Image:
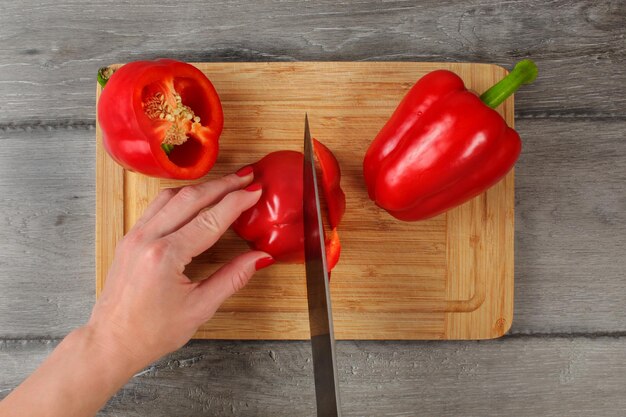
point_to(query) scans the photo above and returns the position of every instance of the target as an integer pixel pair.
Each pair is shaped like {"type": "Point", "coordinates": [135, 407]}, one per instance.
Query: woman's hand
{"type": "Point", "coordinates": [148, 306]}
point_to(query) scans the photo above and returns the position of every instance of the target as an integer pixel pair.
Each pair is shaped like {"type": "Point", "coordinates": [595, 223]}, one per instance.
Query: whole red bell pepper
{"type": "Point", "coordinates": [443, 145]}
{"type": "Point", "coordinates": [161, 118]}
{"type": "Point", "coordinates": [275, 224]}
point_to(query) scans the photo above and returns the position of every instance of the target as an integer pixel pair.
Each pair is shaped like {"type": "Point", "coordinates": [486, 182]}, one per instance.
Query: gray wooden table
{"type": "Point", "coordinates": [566, 351]}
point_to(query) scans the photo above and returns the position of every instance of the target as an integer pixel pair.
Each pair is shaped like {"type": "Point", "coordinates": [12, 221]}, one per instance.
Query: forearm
{"type": "Point", "coordinates": [77, 379]}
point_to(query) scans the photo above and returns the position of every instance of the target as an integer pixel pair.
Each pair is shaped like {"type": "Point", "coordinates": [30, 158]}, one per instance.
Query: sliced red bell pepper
{"type": "Point", "coordinates": [331, 177]}
{"type": "Point", "coordinates": [443, 145]}
{"type": "Point", "coordinates": [161, 118]}
{"type": "Point", "coordinates": [333, 249]}
{"type": "Point", "coordinates": [275, 223]}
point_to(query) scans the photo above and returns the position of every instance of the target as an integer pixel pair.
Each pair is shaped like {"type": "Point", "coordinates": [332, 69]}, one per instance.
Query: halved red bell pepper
{"type": "Point", "coordinates": [443, 145]}
{"type": "Point", "coordinates": [275, 223]}
{"type": "Point", "coordinates": [161, 118]}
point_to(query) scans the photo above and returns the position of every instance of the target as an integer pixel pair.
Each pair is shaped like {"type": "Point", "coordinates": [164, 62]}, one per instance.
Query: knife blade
{"type": "Point", "coordinates": [318, 294]}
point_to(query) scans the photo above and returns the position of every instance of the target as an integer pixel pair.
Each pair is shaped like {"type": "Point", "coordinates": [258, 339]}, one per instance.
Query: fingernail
{"type": "Point", "coordinates": [254, 187]}
{"type": "Point", "coordinates": [264, 262]}
{"type": "Point", "coordinates": [244, 172]}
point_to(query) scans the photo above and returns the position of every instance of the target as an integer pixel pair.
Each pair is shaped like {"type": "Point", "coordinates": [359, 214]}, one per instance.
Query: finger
{"type": "Point", "coordinates": [212, 292]}
{"type": "Point", "coordinates": [209, 225]}
{"type": "Point", "coordinates": [156, 205]}
{"type": "Point", "coordinates": [190, 200]}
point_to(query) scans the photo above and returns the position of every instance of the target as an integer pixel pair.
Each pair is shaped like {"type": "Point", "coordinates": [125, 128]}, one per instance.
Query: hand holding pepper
{"type": "Point", "coordinates": [443, 145]}
{"type": "Point", "coordinates": [148, 306]}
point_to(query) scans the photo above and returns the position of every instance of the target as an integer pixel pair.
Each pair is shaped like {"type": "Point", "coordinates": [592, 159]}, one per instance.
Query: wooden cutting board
{"type": "Point", "coordinates": [450, 277]}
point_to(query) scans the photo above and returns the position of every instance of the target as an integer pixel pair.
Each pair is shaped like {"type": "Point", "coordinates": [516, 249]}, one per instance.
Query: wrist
{"type": "Point", "coordinates": [104, 345]}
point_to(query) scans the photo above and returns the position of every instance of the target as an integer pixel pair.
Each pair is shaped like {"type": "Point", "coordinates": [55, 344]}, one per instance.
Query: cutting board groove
{"type": "Point", "coordinates": [450, 277]}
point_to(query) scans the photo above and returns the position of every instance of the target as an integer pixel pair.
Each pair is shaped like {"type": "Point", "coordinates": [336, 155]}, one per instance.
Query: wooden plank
{"type": "Point", "coordinates": [570, 227]}
{"type": "Point", "coordinates": [570, 221]}
{"type": "Point", "coordinates": [49, 61]}
{"type": "Point", "coordinates": [510, 376]}
{"type": "Point", "coordinates": [47, 209]}
{"type": "Point", "coordinates": [392, 279]}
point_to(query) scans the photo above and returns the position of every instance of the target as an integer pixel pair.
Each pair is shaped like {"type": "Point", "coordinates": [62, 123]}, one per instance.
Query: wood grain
{"type": "Point", "coordinates": [570, 227]}
{"type": "Point", "coordinates": [447, 278]}
{"type": "Point", "coordinates": [47, 227]}
{"type": "Point", "coordinates": [510, 376]}
{"type": "Point", "coordinates": [110, 197]}
{"type": "Point", "coordinates": [49, 60]}
{"type": "Point", "coordinates": [570, 206]}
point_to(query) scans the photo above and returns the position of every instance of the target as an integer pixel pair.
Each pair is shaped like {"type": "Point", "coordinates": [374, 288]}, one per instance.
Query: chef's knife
{"type": "Point", "coordinates": [318, 294]}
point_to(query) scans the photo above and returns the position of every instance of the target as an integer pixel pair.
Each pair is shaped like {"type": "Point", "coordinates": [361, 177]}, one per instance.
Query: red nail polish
{"type": "Point", "coordinates": [254, 187]}
{"type": "Point", "coordinates": [244, 172]}
{"type": "Point", "coordinates": [264, 262]}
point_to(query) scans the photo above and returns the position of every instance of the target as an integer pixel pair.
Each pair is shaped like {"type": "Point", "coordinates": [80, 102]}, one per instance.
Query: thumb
{"type": "Point", "coordinates": [226, 281]}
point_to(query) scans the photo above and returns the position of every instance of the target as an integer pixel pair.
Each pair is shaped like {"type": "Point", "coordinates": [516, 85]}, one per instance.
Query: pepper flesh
{"type": "Point", "coordinates": [161, 118]}
{"type": "Point", "coordinates": [442, 146]}
{"type": "Point", "coordinates": [331, 177]}
{"type": "Point", "coordinates": [275, 224]}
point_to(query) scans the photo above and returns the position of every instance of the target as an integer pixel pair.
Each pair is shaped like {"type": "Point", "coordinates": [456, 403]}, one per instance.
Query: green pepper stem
{"type": "Point", "coordinates": [524, 72]}
{"type": "Point", "coordinates": [104, 74]}
{"type": "Point", "coordinates": [167, 148]}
